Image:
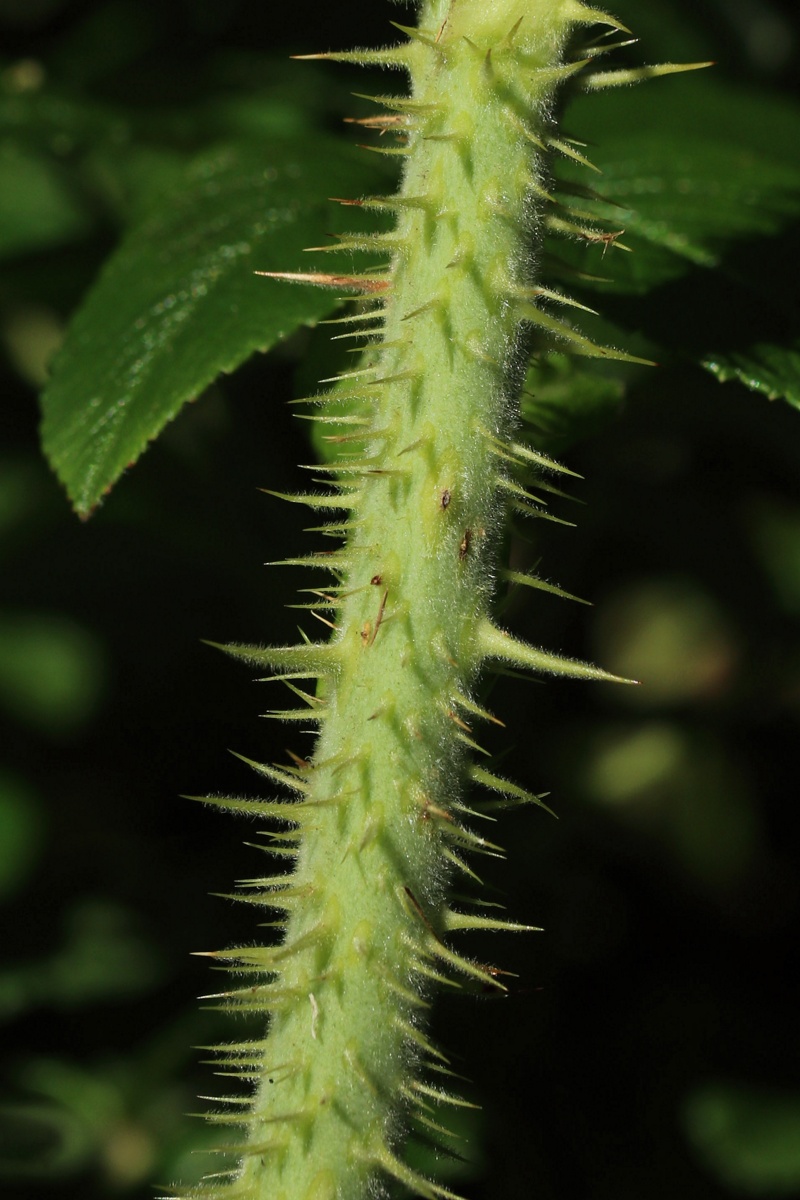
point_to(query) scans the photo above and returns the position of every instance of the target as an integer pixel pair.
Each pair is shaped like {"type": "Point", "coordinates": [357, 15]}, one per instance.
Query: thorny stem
{"type": "Point", "coordinates": [377, 822]}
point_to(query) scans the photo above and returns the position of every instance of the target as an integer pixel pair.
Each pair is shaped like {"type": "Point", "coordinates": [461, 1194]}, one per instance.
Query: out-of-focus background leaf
{"type": "Point", "coordinates": [649, 1045]}
{"type": "Point", "coordinates": [747, 1136]}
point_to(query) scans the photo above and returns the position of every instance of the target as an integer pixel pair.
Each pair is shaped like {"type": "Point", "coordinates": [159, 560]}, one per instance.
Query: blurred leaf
{"type": "Point", "coordinates": [22, 484]}
{"type": "Point", "coordinates": [672, 635]}
{"type": "Point", "coordinates": [103, 957]}
{"type": "Point", "coordinates": [775, 536]}
{"type": "Point", "coordinates": [32, 333]}
{"type": "Point", "coordinates": [19, 832]}
{"type": "Point", "coordinates": [256, 95]}
{"type": "Point", "coordinates": [104, 40]}
{"type": "Point", "coordinates": [772, 371]}
{"type": "Point", "coordinates": [747, 1137]}
{"type": "Point", "coordinates": [565, 400]}
{"type": "Point", "coordinates": [38, 208]}
{"type": "Point", "coordinates": [701, 105]}
{"type": "Point", "coordinates": [78, 154]}
{"type": "Point", "coordinates": [41, 1139]}
{"type": "Point", "coordinates": [704, 166]}
{"type": "Point", "coordinates": [67, 1128]}
{"type": "Point", "coordinates": [467, 1127]}
{"type": "Point", "coordinates": [30, 12]}
{"type": "Point", "coordinates": [659, 29]}
{"type": "Point", "coordinates": [706, 182]}
{"type": "Point", "coordinates": [51, 671]}
{"type": "Point", "coordinates": [123, 1117]}
{"type": "Point", "coordinates": [44, 118]}
{"type": "Point", "coordinates": [628, 763]}
{"type": "Point", "coordinates": [682, 792]}
{"type": "Point", "coordinates": [61, 150]}
{"type": "Point", "coordinates": [178, 303]}
{"type": "Point", "coordinates": [684, 199]}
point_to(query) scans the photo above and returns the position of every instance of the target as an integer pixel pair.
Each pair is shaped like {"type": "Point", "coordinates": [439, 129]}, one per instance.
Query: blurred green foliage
{"type": "Point", "coordinates": [747, 1136]}
{"type": "Point", "coordinates": [650, 1043]}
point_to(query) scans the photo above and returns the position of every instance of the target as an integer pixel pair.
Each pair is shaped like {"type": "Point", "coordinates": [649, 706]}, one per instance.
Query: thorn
{"type": "Point", "coordinates": [392, 151]}
{"type": "Point", "coordinates": [368, 284]}
{"type": "Point", "coordinates": [495, 643]}
{"type": "Point", "coordinates": [509, 37]}
{"type": "Point", "coordinates": [324, 620]}
{"type": "Point", "coordinates": [594, 16]}
{"type": "Point", "coordinates": [403, 104]}
{"type": "Point", "coordinates": [555, 296]}
{"type": "Point", "coordinates": [457, 720]}
{"type": "Point", "coordinates": [384, 122]}
{"type": "Point", "coordinates": [623, 78]}
{"type": "Point", "coordinates": [391, 56]}
{"type": "Point", "coordinates": [521, 578]}
{"type": "Point", "coordinates": [417, 312]}
{"type": "Point", "coordinates": [416, 35]}
{"type": "Point", "coordinates": [569, 152]}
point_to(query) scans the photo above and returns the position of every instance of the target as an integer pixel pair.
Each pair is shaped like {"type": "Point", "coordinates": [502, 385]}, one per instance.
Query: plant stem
{"type": "Point", "coordinates": [378, 823]}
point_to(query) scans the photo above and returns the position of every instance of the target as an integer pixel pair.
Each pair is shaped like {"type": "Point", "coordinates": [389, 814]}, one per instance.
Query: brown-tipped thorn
{"type": "Point", "coordinates": [356, 283]}
{"type": "Point", "coordinates": [389, 121]}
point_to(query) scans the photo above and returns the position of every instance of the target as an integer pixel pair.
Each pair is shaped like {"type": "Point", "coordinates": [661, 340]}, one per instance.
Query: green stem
{"type": "Point", "coordinates": [378, 820]}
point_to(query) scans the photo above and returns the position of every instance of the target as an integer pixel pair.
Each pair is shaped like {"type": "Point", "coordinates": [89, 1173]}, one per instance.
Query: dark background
{"type": "Point", "coordinates": [650, 1044]}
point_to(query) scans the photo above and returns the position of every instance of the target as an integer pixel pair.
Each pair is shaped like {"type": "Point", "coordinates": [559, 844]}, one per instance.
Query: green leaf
{"type": "Point", "coordinates": [698, 104]}
{"type": "Point", "coordinates": [684, 201]}
{"type": "Point", "coordinates": [772, 371]}
{"type": "Point", "coordinates": [178, 302]}
{"type": "Point", "coordinates": [706, 167]}
{"type": "Point", "coordinates": [114, 156]}
{"type": "Point", "coordinates": [50, 141]}
{"type": "Point", "coordinates": [707, 191]}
